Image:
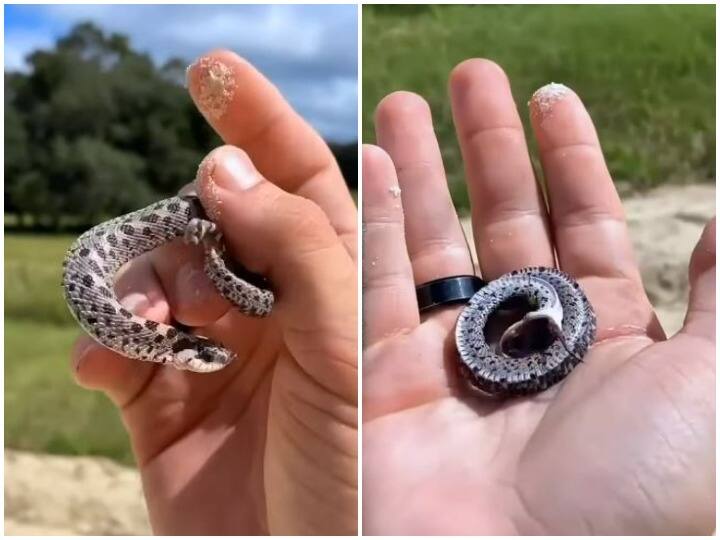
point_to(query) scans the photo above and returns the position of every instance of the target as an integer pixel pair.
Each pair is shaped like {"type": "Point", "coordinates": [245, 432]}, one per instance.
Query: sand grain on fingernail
{"type": "Point", "coordinates": [394, 191]}
{"type": "Point", "coordinates": [545, 98]}
{"type": "Point", "coordinates": [205, 170]}
{"type": "Point", "coordinates": [207, 188]}
{"type": "Point", "coordinates": [216, 87]}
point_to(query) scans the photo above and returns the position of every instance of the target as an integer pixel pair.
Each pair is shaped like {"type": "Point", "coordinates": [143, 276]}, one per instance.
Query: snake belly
{"type": "Point", "coordinates": [496, 373]}
{"type": "Point", "coordinates": [96, 256]}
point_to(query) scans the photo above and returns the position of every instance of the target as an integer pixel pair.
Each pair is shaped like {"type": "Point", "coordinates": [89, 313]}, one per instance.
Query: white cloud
{"type": "Point", "coordinates": [19, 43]}
{"type": "Point", "coordinates": [333, 104]}
{"type": "Point", "coordinates": [168, 30]}
{"type": "Point", "coordinates": [310, 52]}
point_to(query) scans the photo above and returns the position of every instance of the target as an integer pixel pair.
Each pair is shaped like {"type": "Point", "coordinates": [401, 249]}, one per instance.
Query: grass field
{"type": "Point", "coordinates": [45, 410]}
{"type": "Point", "coordinates": [645, 72]}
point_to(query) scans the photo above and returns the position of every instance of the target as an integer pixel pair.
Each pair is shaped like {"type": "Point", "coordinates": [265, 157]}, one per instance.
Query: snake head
{"type": "Point", "coordinates": [195, 353]}
{"type": "Point", "coordinates": [535, 332]}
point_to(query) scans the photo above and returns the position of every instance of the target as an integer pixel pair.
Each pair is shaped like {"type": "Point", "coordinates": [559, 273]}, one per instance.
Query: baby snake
{"type": "Point", "coordinates": [555, 326]}
{"type": "Point", "coordinates": [95, 257]}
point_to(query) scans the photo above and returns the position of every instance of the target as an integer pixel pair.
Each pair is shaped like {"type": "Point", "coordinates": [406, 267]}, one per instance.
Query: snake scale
{"type": "Point", "coordinates": [96, 256]}
{"type": "Point", "coordinates": [549, 325]}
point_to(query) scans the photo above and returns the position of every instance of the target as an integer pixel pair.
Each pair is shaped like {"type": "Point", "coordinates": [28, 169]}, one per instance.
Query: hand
{"type": "Point", "coordinates": [268, 444]}
{"type": "Point", "coordinates": [625, 445]}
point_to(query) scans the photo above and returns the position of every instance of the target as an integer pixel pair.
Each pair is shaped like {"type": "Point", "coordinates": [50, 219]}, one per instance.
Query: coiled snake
{"type": "Point", "coordinates": [555, 326]}
{"type": "Point", "coordinates": [95, 257]}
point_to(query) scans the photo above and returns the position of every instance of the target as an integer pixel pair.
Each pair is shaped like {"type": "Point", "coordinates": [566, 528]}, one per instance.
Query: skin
{"type": "Point", "coordinates": [625, 445]}
{"type": "Point", "coordinates": [267, 445]}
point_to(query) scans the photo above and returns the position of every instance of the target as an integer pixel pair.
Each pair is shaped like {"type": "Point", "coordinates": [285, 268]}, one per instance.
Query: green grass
{"type": "Point", "coordinates": [45, 411]}
{"type": "Point", "coordinates": [32, 278]}
{"type": "Point", "coordinates": [646, 74]}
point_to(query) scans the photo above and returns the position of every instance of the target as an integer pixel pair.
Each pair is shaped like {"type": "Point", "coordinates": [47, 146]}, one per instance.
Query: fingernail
{"type": "Point", "coordinates": [544, 99]}
{"type": "Point", "coordinates": [135, 302]}
{"type": "Point", "coordinates": [215, 86]}
{"type": "Point", "coordinates": [207, 188]}
{"type": "Point", "coordinates": [206, 169]}
{"type": "Point", "coordinates": [235, 171]}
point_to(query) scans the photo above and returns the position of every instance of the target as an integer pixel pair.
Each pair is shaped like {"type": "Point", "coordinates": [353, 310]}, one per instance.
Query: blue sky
{"type": "Point", "coordinates": [310, 52]}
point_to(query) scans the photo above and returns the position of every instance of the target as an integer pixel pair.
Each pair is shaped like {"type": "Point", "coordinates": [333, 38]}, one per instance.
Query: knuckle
{"type": "Point", "coordinates": [302, 223]}
{"type": "Point", "coordinates": [306, 217]}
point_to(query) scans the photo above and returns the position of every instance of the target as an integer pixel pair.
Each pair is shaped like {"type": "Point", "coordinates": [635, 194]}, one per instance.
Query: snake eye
{"type": "Point", "coordinates": [210, 353]}
{"type": "Point", "coordinates": [182, 345]}
{"type": "Point", "coordinates": [207, 354]}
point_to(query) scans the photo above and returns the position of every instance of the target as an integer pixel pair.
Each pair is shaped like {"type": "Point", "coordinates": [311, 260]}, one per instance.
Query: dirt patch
{"type": "Point", "coordinates": [55, 495]}
{"type": "Point", "coordinates": [665, 225]}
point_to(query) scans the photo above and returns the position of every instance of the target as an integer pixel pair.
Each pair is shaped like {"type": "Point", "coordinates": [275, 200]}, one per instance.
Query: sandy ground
{"type": "Point", "coordinates": [78, 496]}
{"type": "Point", "coordinates": [54, 495]}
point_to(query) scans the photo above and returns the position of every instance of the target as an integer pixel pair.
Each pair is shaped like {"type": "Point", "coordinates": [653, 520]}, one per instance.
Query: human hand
{"type": "Point", "coordinates": [625, 445]}
{"type": "Point", "coordinates": [268, 444]}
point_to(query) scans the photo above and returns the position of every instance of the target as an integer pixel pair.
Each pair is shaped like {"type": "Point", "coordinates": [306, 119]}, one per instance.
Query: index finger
{"type": "Point", "coordinates": [249, 112]}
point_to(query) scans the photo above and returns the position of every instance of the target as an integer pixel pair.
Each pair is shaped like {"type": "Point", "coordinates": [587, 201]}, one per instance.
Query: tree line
{"type": "Point", "coordinates": [95, 129]}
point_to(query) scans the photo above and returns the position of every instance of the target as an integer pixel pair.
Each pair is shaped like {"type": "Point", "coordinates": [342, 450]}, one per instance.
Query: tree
{"type": "Point", "coordinates": [16, 151]}
{"type": "Point", "coordinates": [96, 129]}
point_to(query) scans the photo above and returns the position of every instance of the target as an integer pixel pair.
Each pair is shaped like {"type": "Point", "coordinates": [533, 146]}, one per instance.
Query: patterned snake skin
{"type": "Point", "coordinates": [95, 257]}
{"type": "Point", "coordinates": [537, 350]}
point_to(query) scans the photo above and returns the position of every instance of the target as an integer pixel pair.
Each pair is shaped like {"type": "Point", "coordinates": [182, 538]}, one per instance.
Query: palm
{"type": "Point", "coordinates": [624, 444]}
{"type": "Point", "coordinates": [495, 469]}
{"type": "Point", "coordinates": [196, 438]}
{"type": "Point", "coordinates": [229, 409]}
{"type": "Point", "coordinates": [516, 467]}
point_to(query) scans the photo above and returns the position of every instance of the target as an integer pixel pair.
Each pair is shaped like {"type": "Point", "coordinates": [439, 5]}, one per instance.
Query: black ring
{"type": "Point", "coordinates": [449, 290]}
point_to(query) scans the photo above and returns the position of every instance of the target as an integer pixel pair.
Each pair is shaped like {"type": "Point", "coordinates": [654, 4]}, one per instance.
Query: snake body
{"type": "Point", "coordinates": [96, 256]}
{"type": "Point", "coordinates": [538, 349]}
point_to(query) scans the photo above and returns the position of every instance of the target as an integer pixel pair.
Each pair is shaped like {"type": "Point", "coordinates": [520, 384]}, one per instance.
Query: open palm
{"type": "Point", "coordinates": [268, 444]}
{"type": "Point", "coordinates": [626, 443]}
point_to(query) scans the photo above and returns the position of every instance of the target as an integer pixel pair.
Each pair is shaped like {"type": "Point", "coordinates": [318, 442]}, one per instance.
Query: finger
{"type": "Point", "coordinates": [193, 299]}
{"type": "Point", "coordinates": [248, 111]}
{"type": "Point", "coordinates": [435, 240]}
{"type": "Point", "coordinates": [389, 302]}
{"type": "Point", "coordinates": [588, 220]}
{"type": "Point", "coordinates": [700, 318]}
{"type": "Point", "coordinates": [98, 368]}
{"type": "Point", "coordinates": [510, 223]}
{"type": "Point", "coordinates": [290, 240]}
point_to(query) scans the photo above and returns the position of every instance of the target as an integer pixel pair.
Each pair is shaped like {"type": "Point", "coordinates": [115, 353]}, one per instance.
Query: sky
{"type": "Point", "coordinates": [309, 52]}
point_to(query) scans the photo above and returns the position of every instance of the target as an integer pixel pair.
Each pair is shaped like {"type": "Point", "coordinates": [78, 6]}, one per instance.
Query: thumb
{"type": "Point", "coordinates": [289, 240]}
{"type": "Point", "coordinates": [700, 318]}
